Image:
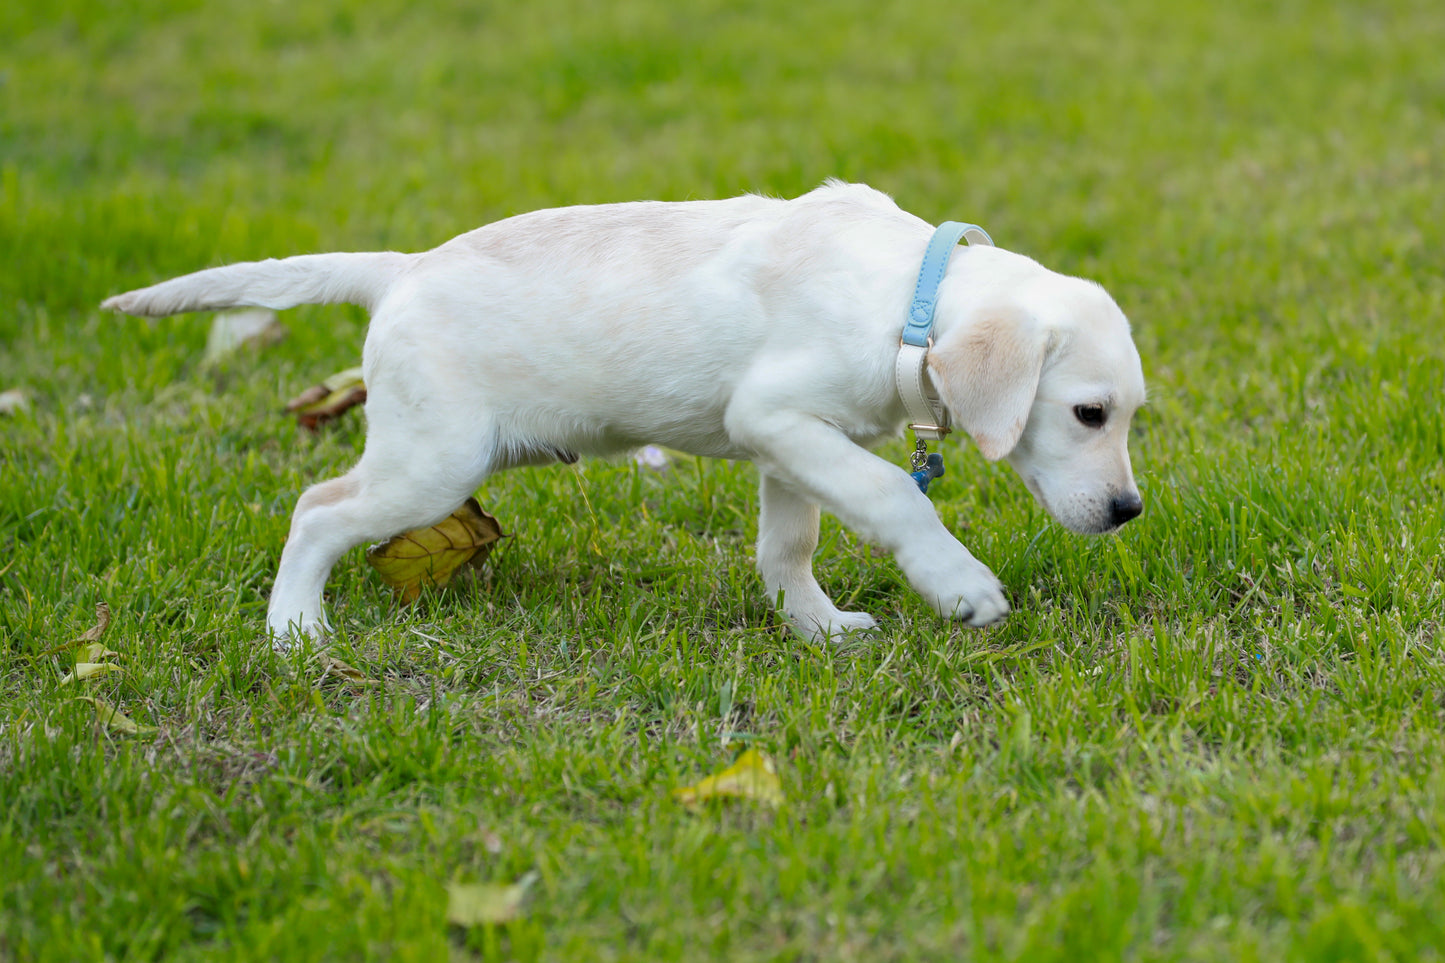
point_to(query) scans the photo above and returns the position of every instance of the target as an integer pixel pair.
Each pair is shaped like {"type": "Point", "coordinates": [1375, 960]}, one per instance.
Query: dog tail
{"type": "Point", "coordinates": [277, 284]}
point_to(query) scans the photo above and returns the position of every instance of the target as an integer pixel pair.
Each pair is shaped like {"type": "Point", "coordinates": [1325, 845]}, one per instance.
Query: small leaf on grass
{"type": "Point", "coordinates": [239, 329]}
{"type": "Point", "coordinates": [87, 648]}
{"type": "Point", "coordinates": [84, 670]}
{"type": "Point", "coordinates": [336, 669]}
{"type": "Point", "coordinates": [321, 403]}
{"type": "Point", "coordinates": [753, 776]}
{"type": "Point", "coordinates": [102, 622]}
{"type": "Point", "coordinates": [473, 904]}
{"type": "Point", "coordinates": [112, 718]}
{"type": "Point", "coordinates": [430, 556]}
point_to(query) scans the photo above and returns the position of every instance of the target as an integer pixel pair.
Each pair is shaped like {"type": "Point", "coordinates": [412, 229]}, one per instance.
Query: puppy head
{"type": "Point", "coordinates": [1050, 380]}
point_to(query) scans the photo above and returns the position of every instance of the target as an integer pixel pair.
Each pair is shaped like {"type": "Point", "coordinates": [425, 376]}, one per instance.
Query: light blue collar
{"type": "Point", "coordinates": [935, 262]}
{"type": "Point", "coordinates": [927, 416]}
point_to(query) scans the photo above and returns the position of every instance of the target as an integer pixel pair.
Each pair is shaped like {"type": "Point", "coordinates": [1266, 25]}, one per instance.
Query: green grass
{"type": "Point", "coordinates": [1216, 736]}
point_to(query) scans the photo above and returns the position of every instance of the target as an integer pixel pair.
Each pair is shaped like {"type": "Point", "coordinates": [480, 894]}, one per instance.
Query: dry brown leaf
{"type": "Point", "coordinates": [336, 669]}
{"type": "Point", "coordinates": [102, 622]}
{"type": "Point", "coordinates": [431, 556]}
{"type": "Point", "coordinates": [753, 776]}
{"type": "Point", "coordinates": [324, 402]}
{"type": "Point", "coordinates": [87, 648]}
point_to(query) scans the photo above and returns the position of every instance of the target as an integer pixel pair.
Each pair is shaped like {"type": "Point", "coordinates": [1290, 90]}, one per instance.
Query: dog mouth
{"type": "Point", "coordinates": [1097, 522]}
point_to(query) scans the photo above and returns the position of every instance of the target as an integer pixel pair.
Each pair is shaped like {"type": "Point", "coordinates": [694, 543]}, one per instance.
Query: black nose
{"type": "Point", "coordinates": [1125, 507]}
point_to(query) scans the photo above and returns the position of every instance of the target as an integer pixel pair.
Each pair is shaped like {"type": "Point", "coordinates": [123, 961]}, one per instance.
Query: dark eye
{"type": "Point", "coordinates": [1091, 415]}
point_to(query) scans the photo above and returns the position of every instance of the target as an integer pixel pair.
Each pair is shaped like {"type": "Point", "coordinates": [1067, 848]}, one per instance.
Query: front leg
{"type": "Point", "coordinates": [787, 539]}
{"type": "Point", "coordinates": [873, 498]}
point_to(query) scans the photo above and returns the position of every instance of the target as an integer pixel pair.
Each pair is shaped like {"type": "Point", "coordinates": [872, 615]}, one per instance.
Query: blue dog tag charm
{"type": "Point", "coordinates": [931, 468]}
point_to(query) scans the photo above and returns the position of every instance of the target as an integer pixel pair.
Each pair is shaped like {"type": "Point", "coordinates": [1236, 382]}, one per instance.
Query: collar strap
{"type": "Point", "coordinates": [928, 417]}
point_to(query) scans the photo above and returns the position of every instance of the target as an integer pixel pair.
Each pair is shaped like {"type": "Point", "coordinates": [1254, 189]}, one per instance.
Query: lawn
{"type": "Point", "coordinates": [1218, 735]}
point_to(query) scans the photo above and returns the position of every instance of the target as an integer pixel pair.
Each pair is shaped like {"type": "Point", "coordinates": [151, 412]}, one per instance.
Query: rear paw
{"type": "Point", "coordinates": [291, 636]}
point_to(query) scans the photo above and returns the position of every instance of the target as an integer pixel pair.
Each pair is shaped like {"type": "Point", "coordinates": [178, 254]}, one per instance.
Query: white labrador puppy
{"type": "Point", "coordinates": [748, 328]}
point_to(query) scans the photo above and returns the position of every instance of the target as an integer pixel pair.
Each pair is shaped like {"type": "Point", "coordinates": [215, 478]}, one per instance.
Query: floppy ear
{"type": "Point", "coordinates": [987, 373]}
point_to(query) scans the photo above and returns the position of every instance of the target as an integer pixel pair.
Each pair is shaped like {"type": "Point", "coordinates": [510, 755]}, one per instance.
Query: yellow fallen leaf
{"type": "Point", "coordinates": [321, 403]}
{"type": "Point", "coordinates": [753, 776]}
{"type": "Point", "coordinates": [112, 718]}
{"type": "Point", "coordinates": [94, 652]}
{"type": "Point", "coordinates": [84, 670]}
{"type": "Point", "coordinates": [431, 556]}
{"type": "Point", "coordinates": [473, 904]}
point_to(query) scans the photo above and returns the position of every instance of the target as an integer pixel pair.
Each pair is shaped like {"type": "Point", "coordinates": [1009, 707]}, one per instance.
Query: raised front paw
{"type": "Point", "coordinates": [981, 608]}
{"type": "Point", "coordinates": [971, 594]}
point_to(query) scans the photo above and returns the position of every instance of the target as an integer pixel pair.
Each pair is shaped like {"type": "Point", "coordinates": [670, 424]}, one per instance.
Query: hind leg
{"type": "Point", "coordinates": [406, 479]}
{"type": "Point", "coordinates": [787, 539]}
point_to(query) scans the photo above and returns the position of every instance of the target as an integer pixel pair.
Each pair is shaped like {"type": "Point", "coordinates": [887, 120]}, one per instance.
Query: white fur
{"type": "Point", "coordinates": [746, 328]}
